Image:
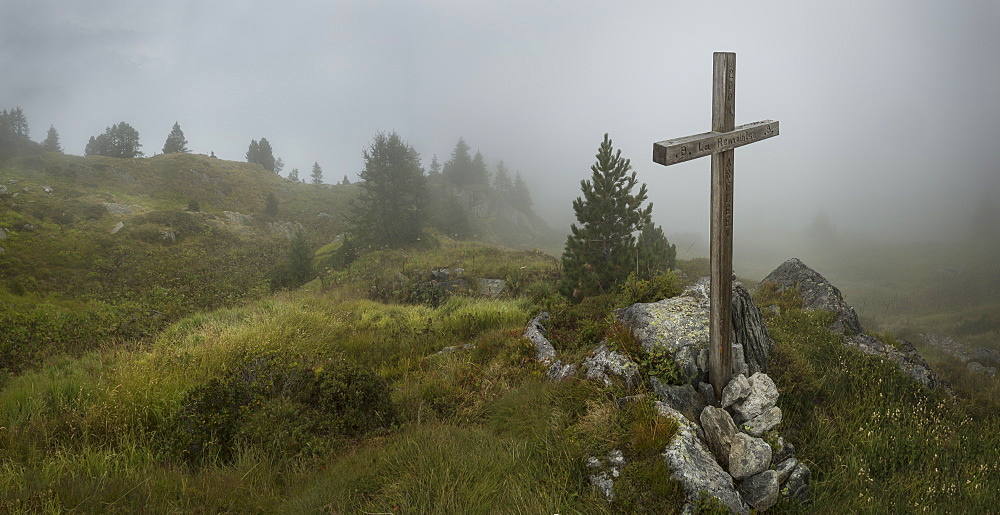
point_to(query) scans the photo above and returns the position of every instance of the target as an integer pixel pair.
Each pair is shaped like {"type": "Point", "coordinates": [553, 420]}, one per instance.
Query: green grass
{"type": "Point", "coordinates": [876, 441]}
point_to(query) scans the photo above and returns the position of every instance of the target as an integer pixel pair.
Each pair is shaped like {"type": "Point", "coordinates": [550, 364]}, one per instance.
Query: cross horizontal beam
{"type": "Point", "coordinates": [687, 148]}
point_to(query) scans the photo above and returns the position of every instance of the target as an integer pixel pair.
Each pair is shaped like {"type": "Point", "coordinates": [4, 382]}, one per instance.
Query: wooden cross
{"type": "Point", "coordinates": [725, 136]}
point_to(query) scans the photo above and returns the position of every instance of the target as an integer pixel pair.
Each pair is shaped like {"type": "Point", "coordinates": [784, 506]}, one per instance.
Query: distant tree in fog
{"type": "Point", "coordinates": [317, 174]}
{"type": "Point", "coordinates": [261, 153]}
{"type": "Point", "coordinates": [391, 207]}
{"type": "Point", "coordinates": [294, 174]}
{"type": "Point", "coordinates": [120, 140]}
{"type": "Point", "coordinates": [175, 141]}
{"type": "Point", "coordinates": [51, 143]}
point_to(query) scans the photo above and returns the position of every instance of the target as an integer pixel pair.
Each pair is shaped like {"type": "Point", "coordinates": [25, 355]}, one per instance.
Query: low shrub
{"type": "Point", "coordinates": [278, 404]}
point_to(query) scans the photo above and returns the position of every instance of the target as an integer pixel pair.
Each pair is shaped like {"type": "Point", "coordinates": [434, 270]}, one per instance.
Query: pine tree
{"type": "Point", "coordinates": [599, 252]}
{"type": "Point", "coordinates": [294, 174]}
{"type": "Point", "coordinates": [317, 174]}
{"type": "Point", "coordinates": [51, 143]}
{"type": "Point", "coordinates": [391, 207]}
{"type": "Point", "coordinates": [271, 205]}
{"type": "Point", "coordinates": [279, 165]}
{"type": "Point", "coordinates": [175, 144]}
{"type": "Point", "coordinates": [346, 181]}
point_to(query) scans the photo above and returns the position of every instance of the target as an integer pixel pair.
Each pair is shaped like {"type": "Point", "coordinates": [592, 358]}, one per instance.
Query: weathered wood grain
{"type": "Point", "coordinates": [673, 151]}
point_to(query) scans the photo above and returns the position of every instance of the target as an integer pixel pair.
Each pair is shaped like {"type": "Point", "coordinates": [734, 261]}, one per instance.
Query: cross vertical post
{"type": "Point", "coordinates": [721, 247]}
{"type": "Point", "coordinates": [719, 143]}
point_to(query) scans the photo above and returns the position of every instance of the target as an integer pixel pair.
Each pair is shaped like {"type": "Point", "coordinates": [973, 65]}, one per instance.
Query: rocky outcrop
{"type": "Point", "coordinates": [818, 293]}
{"type": "Point", "coordinates": [680, 326]}
{"type": "Point", "coordinates": [603, 364]}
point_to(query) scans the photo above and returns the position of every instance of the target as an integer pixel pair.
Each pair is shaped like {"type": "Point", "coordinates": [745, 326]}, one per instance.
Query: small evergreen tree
{"type": "Point", "coordinates": [655, 254]}
{"type": "Point", "coordinates": [271, 205]}
{"type": "Point", "coordinates": [390, 209]}
{"type": "Point", "coordinates": [279, 165]}
{"type": "Point", "coordinates": [317, 174]}
{"type": "Point", "coordinates": [175, 144]}
{"type": "Point", "coordinates": [480, 174]}
{"type": "Point", "coordinates": [599, 252]}
{"type": "Point", "coordinates": [294, 174]}
{"type": "Point", "coordinates": [346, 181]}
{"type": "Point", "coordinates": [298, 268]}
{"type": "Point", "coordinates": [520, 195]}
{"type": "Point", "coordinates": [51, 143]}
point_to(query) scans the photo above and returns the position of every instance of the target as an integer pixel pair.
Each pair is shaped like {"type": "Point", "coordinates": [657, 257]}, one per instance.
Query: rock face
{"type": "Point", "coordinates": [818, 293]}
{"type": "Point", "coordinates": [544, 351]}
{"type": "Point", "coordinates": [695, 467]}
{"type": "Point", "coordinates": [980, 360]}
{"type": "Point", "coordinates": [680, 325]}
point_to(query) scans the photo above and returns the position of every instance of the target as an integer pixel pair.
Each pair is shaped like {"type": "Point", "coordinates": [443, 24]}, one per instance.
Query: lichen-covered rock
{"type": "Point", "coordinates": [748, 456]}
{"type": "Point", "coordinates": [737, 390]}
{"type": "Point", "coordinates": [560, 371]}
{"type": "Point", "coordinates": [762, 423]}
{"type": "Point", "coordinates": [680, 326]}
{"type": "Point", "coordinates": [682, 398]}
{"type": "Point", "coordinates": [694, 467]}
{"type": "Point", "coordinates": [604, 363]}
{"type": "Point", "coordinates": [719, 431]}
{"type": "Point", "coordinates": [544, 351]}
{"type": "Point", "coordinates": [491, 288]}
{"type": "Point", "coordinates": [118, 209]}
{"type": "Point", "coordinates": [761, 490]}
{"type": "Point", "coordinates": [762, 397]}
{"type": "Point", "coordinates": [118, 226]}
{"type": "Point", "coordinates": [605, 472]}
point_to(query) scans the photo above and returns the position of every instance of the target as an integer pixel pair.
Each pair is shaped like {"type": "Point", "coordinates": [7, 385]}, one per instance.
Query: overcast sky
{"type": "Point", "coordinates": [889, 111]}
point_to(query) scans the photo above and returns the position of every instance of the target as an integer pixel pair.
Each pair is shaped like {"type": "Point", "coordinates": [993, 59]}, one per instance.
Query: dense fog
{"type": "Point", "coordinates": [887, 109]}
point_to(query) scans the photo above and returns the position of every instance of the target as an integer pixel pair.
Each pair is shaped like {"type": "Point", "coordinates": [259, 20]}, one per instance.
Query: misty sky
{"type": "Point", "coordinates": [889, 110]}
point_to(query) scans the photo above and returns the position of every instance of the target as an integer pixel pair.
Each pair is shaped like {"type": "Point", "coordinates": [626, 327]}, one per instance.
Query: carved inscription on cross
{"type": "Point", "coordinates": [719, 143]}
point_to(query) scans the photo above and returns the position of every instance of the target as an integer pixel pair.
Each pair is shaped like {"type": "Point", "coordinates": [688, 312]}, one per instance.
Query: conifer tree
{"type": "Point", "coordinates": [480, 174]}
{"type": "Point", "coordinates": [262, 154]}
{"type": "Point", "coordinates": [435, 166]}
{"type": "Point", "coordinates": [294, 174]}
{"type": "Point", "coordinates": [175, 141]}
{"type": "Point", "coordinates": [520, 195]}
{"type": "Point", "coordinates": [51, 143]}
{"type": "Point", "coordinates": [119, 140]}
{"type": "Point", "coordinates": [391, 207]}
{"type": "Point", "coordinates": [346, 181]}
{"type": "Point", "coordinates": [600, 250]}
{"type": "Point", "coordinates": [502, 181]}
{"type": "Point", "coordinates": [458, 169]}
{"type": "Point", "coordinates": [279, 165]}
{"type": "Point", "coordinates": [317, 174]}
{"type": "Point", "coordinates": [655, 254]}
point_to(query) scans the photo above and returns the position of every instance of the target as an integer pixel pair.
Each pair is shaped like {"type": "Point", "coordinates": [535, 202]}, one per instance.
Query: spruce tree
{"type": "Point", "coordinates": [600, 252]}
{"type": "Point", "coordinates": [119, 140]}
{"type": "Point", "coordinates": [317, 174]}
{"type": "Point", "coordinates": [391, 207]}
{"type": "Point", "coordinates": [458, 169]}
{"type": "Point", "coordinates": [51, 143]}
{"type": "Point", "coordinates": [502, 181]}
{"type": "Point", "coordinates": [520, 195]}
{"type": "Point", "coordinates": [294, 174]}
{"type": "Point", "coordinates": [175, 144]}
{"type": "Point", "coordinates": [261, 153]}
{"type": "Point", "coordinates": [435, 166]}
